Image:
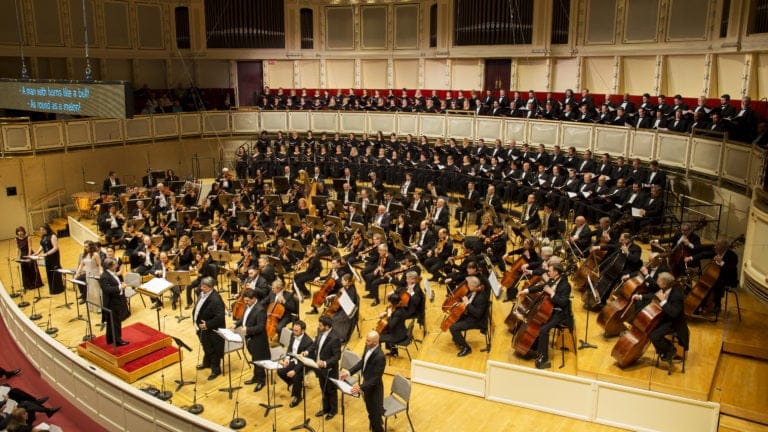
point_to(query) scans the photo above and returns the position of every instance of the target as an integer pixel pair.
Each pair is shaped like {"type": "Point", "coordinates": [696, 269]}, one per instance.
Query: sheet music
{"type": "Point", "coordinates": [297, 292]}
{"type": "Point", "coordinates": [587, 194]}
{"type": "Point", "coordinates": [10, 405]}
{"type": "Point", "coordinates": [495, 285]}
{"type": "Point", "coordinates": [571, 194]}
{"type": "Point", "coordinates": [345, 387]}
{"type": "Point", "coordinates": [427, 289]}
{"type": "Point", "coordinates": [347, 304]}
{"type": "Point", "coordinates": [4, 390]}
{"type": "Point", "coordinates": [156, 286]}
{"type": "Point", "coordinates": [636, 212]}
{"type": "Point", "coordinates": [229, 335]}
{"type": "Point", "coordinates": [267, 364]}
{"type": "Point", "coordinates": [308, 362]}
{"type": "Point", "coordinates": [76, 281]}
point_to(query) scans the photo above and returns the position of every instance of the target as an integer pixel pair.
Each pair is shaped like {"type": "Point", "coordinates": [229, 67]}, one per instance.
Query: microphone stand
{"type": "Point", "coordinates": [195, 408]}
{"type": "Point", "coordinates": [236, 422]}
{"type": "Point", "coordinates": [305, 423]}
{"type": "Point", "coordinates": [584, 343]}
{"type": "Point", "coordinates": [34, 316]}
{"type": "Point", "coordinates": [164, 394]}
{"type": "Point", "coordinates": [181, 383]}
{"type": "Point", "coordinates": [23, 303]}
{"type": "Point", "coordinates": [49, 330]}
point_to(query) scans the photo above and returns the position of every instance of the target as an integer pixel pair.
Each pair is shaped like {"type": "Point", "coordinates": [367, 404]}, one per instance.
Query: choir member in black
{"type": "Point", "coordinates": [672, 301]}
{"type": "Point", "coordinates": [728, 262]}
{"type": "Point", "coordinates": [437, 257]}
{"type": "Point", "coordinates": [115, 306]}
{"type": "Point", "coordinates": [30, 274]}
{"type": "Point", "coordinates": [556, 286]}
{"type": "Point", "coordinates": [292, 371]}
{"type": "Point", "coordinates": [338, 270]}
{"type": "Point", "coordinates": [311, 269]}
{"type": "Point", "coordinates": [384, 264]}
{"type": "Point", "coordinates": [475, 315]}
{"type": "Point", "coordinates": [49, 250]}
{"type": "Point", "coordinates": [252, 328]}
{"type": "Point", "coordinates": [279, 295]}
{"type": "Point", "coordinates": [326, 351]}
{"type": "Point", "coordinates": [686, 238]}
{"type": "Point", "coordinates": [372, 366]}
{"type": "Point", "coordinates": [208, 316]}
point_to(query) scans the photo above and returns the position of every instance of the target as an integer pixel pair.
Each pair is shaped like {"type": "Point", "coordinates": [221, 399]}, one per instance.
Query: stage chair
{"type": "Point", "coordinates": [732, 291]}
{"type": "Point", "coordinates": [675, 339]}
{"type": "Point", "coordinates": [408, 341]}
{"type": "Point", "coordinates": [285, 335]}
{"type": "Point", "coordinates": [349, 359]}
{"type": "Point", "coordinates": [559, 332]}
{"type": "Point", "coordinates": [134, 280]}
{"type": "Point", "coordinates": [398, 400]}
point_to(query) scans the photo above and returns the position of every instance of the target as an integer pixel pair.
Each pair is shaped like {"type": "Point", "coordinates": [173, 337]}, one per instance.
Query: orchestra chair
{"type": "Point", "coordinates": [285, 336]}
{"type": "Point", "coordinates": [133, 280]}
{"type": "Point", "coordinates": [488, 330]}
{"type": "Point", "coordinates": [356, 320]}
{"type": "Point", "coordinates": [348, 359]}
{"type": "Point", "coordinates": [732, 291]}
{"type": "Point", "coordinates": [559, 332]}
{"type": "Point", "coordinates": [398, 400]}
{"type": "Point", "coordinates": [676, 341]}
{"type": "Point", "coordinates": [407, 341]}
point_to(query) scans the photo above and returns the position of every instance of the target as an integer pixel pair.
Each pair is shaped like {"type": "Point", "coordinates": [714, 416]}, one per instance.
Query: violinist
{"type": "Point", "coordinates": [111, 225]}
{"type": "Point", "coordinates": [728, 262]}
{"type": "Point", "coordinates": [557, 287]}
{"type": "Point", "coordinates": [355, 246]}
{"type": "Point", "coordinates": [203, 267]}
{"type": "Point", "coordinates": [436, 258]}
{"type": "Point", "coordinates": [160, 200]}
{"type": "Point", "coordinates": [216, 243]}
{"type": "Point", "coordinates": [143, 257]}
{"type": "Point", "coordinates": [312, 268]}
{"type": "Point", "coordinates": [280, 229]}
{"type": "Point", "coordinates": [280, 295]}
{"type": "Point", "coordinates": [226, 180]}
{"type": "Point", "coordinates": [184, 253]}
{"type": "Point", "coordinates": [160, 269]}
{"type": "Point", "coordinates": [287, 257]}
{"type": "Point", "coordinates": [475, 313]}
{"type": "Point", "coordinates": [165, 230]}
{"type": "Point", "coordinates": [352, 216]}
{"type": "Point", "coordinates": [326, 239]}
{"type": "Point", "coordinates": [252, 328]}
{"type": "Point", "coordinates": [395, 330]}
{"type": "Point", "coordinates": [304, 235]}
{"type": "Point", "coordinates": [411, 296]}
{"type": "Point", "coordinates": [376, 276]}
{"type": "Point", "coordinates": [426, 240]}
{"type": "Point", "coordinates": [671, 300]}
{"type": "Point", "coordinates": [496, 246]}
{"type": "Point", "coordinates": [266, 269]}
{"type": "Point", "coordinates": [344, 323]}
{"type": "Point", "coordinates": [338, 270]}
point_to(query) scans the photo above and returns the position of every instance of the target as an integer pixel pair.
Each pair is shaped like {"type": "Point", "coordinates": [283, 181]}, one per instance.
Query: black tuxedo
{"type": "Point", "coordinates": [212, 313]}
{"type": "Point", "coordinates": [561, 314]}
{"type": "Point", "coordinates": [532, 221]}
{"type": "Point", "coordinates": [672, 321]}
{"type": "Point", "coordinates": [475, 315]}
{"type": "Point", "coordinates": [108, 184]}
{"type": "Point", "coordinates": [112, 299]}
{"type": "Point", "coordinates": [256, 340]}
{"type": "Point", "coordinates": [296, 382]}
{"type": "Point", "coordinates": [328, 350]}
{"type": "Point", "coordinates": [372, 386]}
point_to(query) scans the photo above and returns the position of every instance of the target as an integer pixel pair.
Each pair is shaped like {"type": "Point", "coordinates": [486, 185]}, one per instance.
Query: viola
{"type": "Point", "coordinates": [275, 312]}
{"type": "Point", "coordinates": [709, 276]}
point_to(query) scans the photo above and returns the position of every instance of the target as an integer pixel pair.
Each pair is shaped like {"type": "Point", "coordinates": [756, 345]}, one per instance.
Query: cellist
{"type": "Point", "coordinates": [671, 300]}
{"type": "Point", "coordinates": [286, 298]}
{"type": "Point", "coordinates": [686, 238]}
{"type": "Point", "coordinates": [475, 313]}
{"type": "Point", "coordinates": [728, 261]}
{"type": "Point", "coordinates": [338, 270]}
{"type": "Point", "coordinates": [343, 323]}
{"type": "Point", "coordinates": [395, 331]}
{"type": "Point", "coordinates": [252, 327]}
{"type": "Point", "coordinates": [559, 290]}
{"type": "Point", "coordinates": [411, 291]}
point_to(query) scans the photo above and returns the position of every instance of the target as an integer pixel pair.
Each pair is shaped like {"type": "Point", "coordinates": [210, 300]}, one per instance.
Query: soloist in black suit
{"type": "Point", "coordinates": [295, 366]}
{"type": "Point", "coordinates": [112, 299]}
{"type": "Point", "coordinates": [372, 386]}
{"type": "Point", "coordinates": [212, 313]}
{"type": "Point", "coordinates": [256, 337]}
{"type": "Point", "coordinates": [328, 350]}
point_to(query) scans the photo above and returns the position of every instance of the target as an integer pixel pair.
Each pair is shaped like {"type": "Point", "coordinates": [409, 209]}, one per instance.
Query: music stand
{"type": "Point", "coordinates": [294, 245]}
{"type": "Point", "coordinates": [75, 283]}
{"type": "Point", "coordinates": [357, 226]}
{"type": "Point", "coordinates": [371, 211]}
{"type": "Point", "coordinates": [117, 190]}
{"type": "Point", "coordinates": [292, 219]}
{"type": "Point", "coordinates": [396, 209]}
{"type": "Point", "coordinates": [225, 199]}
{"type": "Point", "coordinates": [67, 303]}
{"type": "Point", "coordinates": [281, 184]}
{"type": "Point", "coordinates": [393, 190]}
{"type": "Point", "coordinates": [319, 201]}
{"type": "Point", "coordinates": [315, 222]}
{"type": "Point", "coordinates": [346, 389]}
{"type": "Point", "coordinates": [306, 363]}
{"type": "Point", "coordinates": [273, 200]}
{"type": "Point", "coordinates": [201, 236]}
{"type": "Point", "coordinates": [336, 221]}
{"type": "Point", "coordinates": [467, 208]}
{"type": "Point", "coordinates": [155, 288]}
{"type": "Point", "coordinates": [181, 383]}
{"type": "Point", "coordinates": [259, 236]}
{"type": "Point", "coordinates": [232, 343]}
{"type": "Point", "coordinates": [179, 279]}
{"type": "Point", "coordinates": [242, 217]}
{"type": "Point", "coordinates": [378, 230]}
{"type": "Point", "coordinates": [415, 216]}
{"type": "Point", "coordinates": [338, 185]}
{"type": "Point", "coordinates": [270, 366]}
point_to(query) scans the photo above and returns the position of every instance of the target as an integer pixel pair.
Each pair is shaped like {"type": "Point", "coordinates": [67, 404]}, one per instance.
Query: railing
{"type": "Point", "coordinates": [40, 207]}
{"type": "Point", "coordinates": [720, 159]}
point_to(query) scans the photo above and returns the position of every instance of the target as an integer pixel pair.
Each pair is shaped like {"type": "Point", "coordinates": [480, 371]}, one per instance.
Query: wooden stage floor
{"type": "Point", "coordinates": [709, 375]}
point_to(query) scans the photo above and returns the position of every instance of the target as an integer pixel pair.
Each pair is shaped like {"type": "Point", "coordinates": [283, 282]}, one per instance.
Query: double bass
{"type": "Point", "coordinates": [611, 270]}
{"type": "Point", "coordinates": [680, 252]}
{"type": "Point", "coordinates": [619, 306]}
{"type": "Point", "coordinates": [539, 310]}
{"type": "Point", "coordinates": [709, 276]}
{"type": "Point", "coordinates": [633, 343]}
{"type": "Point", "coordinates": [517, 314]}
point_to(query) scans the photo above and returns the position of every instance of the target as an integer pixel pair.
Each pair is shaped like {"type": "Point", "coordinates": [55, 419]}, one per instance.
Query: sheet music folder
{"type": "Point", "coordinates": [155, 287]}
{"type": "Point", "coordinates": [345, 387]}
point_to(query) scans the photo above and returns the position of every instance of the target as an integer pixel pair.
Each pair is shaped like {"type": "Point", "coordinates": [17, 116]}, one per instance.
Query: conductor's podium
{"type": "Point", "coordinates": [149, 351]}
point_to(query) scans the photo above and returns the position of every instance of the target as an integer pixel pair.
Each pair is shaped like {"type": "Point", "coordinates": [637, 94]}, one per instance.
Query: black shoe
{"type": "Point", "coordinates": [320, 413]}
{"type": "Point", "coordinates": [51, 411]}
{"type": "Point", "coordinates": [213, 376]}
{"type": "Point", "coordinates": [201, 367]}
{"type": "Point", "coordinates": [81, 301]}
{"type": "Point", "coordinates": [251, 381]}
{"type": "Point", "coordinates": [294, 402]}
{"type": "Point", "coordinates": [542, 363]}
{"type": "Point", "coordinates": [464, 351]}
{"type": "Point", "coordinates": [369, 296]}
{"type": "Point", "coordinates": [330, 416]}
{"type": "Point", "coordinates": [375, 303]}
{"type": "Point", "coordinates": [173, 306]}
{"type": "Point", "coordinates": [12, 373]}
{"type": "Point", "coordinates": [42, 400]}
{"type": "Point", "coordinates": [313, 311]}
{"type": "Point", "coordinates": [123, 343]}
{"type": "Point", "coordinates": [258, 387]}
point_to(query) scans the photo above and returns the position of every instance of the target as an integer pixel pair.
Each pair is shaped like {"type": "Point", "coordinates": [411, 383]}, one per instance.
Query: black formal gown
{"type": "Point", "coordinates": [30, 274]}
{"type": "Point", "coordinates": [52, 263]}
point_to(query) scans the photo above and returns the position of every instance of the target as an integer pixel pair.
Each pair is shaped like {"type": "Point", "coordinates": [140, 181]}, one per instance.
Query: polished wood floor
{"type": "Point", "coordinates": [709, 374]}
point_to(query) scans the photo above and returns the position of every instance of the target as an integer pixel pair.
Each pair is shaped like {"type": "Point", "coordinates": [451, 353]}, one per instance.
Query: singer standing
{"type": "Point", "coordinates": [252, 327]}
{"type": "Point", "coordinates": [326, 350]}
{"type": "Point", "coordinates": [49, 248]}
{"type": "Point", "coordinates": [30, 274]}
{"type": "Point", "coordinates": [208, 316]}
{"type": "Point", "coordinates": [372, 365]}
{"type": "Point", "coordinates": [113, 297]}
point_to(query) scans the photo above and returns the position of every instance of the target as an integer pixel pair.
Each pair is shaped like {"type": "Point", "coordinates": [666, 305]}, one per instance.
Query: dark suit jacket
{"type": "Point", "coordinates": [212, 312]}
{"type": "Point", "coordinates": [108, 184]}
{"type": "Point", "coordinates": [442, 218]}
{"type": "Point", "coordinates": [330, 352]}
{"type": "Point", "coordinates": [112, 297]}
{"type": "Point", "coordinates": [304, 345]}
{"type": "Point", "coordinates": [533, 221]}
{"type": "Point", "coordinates": [562, 297]}
{"type": "Point", "coordinates": [255, 333]}
{"type": "Point", "coordinates": [291, 305]}
{"type": "Point", "coordinates": [372, 385]}
{"type": "Point", "coordinates": [477, 311]}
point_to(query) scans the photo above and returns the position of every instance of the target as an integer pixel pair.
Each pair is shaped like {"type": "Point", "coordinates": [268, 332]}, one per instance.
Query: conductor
{"type": "Point", "coordinates": [209, 316]}
{"type": "Point", "coordinates": [113, 299]}
{"type": "Point", "coordinates": [372, 365]}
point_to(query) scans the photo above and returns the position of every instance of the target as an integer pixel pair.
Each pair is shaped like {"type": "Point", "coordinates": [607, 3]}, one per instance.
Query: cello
{"type": "Point", "coordinates": [453, 307]}
{"type": "Point", "coordinates": [613, 266]}
{"type": "Point", "coordinates": [709, 276]}
{"type": "Point", "coordinates": [319, 298]}
{"type": "Point", "coordinates": [517, 314]}
{"type": "Point", "coordinates": [617, 309]}
{"type": "Point", "coordinates": [275, 312]}
{"type": "Point", "coordinates": [539, 311]}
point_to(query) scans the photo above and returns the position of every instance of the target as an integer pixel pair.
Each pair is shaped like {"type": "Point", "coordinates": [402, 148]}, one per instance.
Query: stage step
{"type": "Point", "coordinates": [745, 337]}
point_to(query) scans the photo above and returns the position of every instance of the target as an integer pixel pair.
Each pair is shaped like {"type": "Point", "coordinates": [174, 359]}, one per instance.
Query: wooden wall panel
{"type": "Point", "coordinates": [601, 22]}
{"type": "Point", "coordinates": [406, 73]}
{"type": "Point", "coordinates": [684, 75]}
{"type": "Point", "coordinates": [761, 76]}
{"type": "Point", "coordinates": [436, 74]}
{"type": "Point", "coordinates": [152, 73]}
{"type": "Point", "coordinates": [8, 29]}
{"type": "Point", "coordinates": [466, 75]}
{"type": "Point", "coordinates": [151, 30]}
{"type": "Point", "coordinates": [730, 69]}
{"type": "Point", "coordinates": [373, 27]}
{"type": "Point", "coordinates": [688, 20]}
{"type": "Point", "coordinates": [309, 74]}
{"type": "Point", "coordinates": [642, 18]}
{"type": "Point", "coordinates": [564, 74]}
{"type": "Point", "coordinates": [639, 75]}
{"type": "Point", "coordinates": [213, 73]}
{"type": "Point", "coordinates": [406, 26]}
{"type": "Point", "coordinates": [531, 74]}
{"type": "Point", "coordinates": [47, 24]}
{"type": "Point", "coordinates": [76, 22]}
{"type": "Point", "coordinates": [598, 74]}
{"type": "Point", "coordinates": [374, 74]}
{"type": "Point", "coordinates": [279, 73]}
{"type": "Point", "coordinates": [119, 69]}
{"type": "Point", "coordinates": [340, 73]}
{"type": "Point", "coordinates": [51, 68]}
{"type": "Point", "coordinates": [116, 14]}
{"type": "Point", "coordinates": [340, 28]}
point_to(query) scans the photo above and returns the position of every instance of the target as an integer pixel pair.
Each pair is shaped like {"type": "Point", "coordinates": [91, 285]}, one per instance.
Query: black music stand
{"type": "Point", "coordinates": [181, 383]}
{"type": "Point", "coordinates": [291, 219]}
{"type": "Point", "coordinates": [181, 280]}
{"type": "Point", "coordinates": [117, 190]}
{"type": "Point", "coordinates": [223, 258]}
{"type": "Point", "coordinates": [396, 209]}
{"type": "Point", "coordinates": [201, 236]}
{"type": "Point", "coordinates": [273, 200]}
{"type": "Point", "coordinates": [315, 222]}
{"type": "Point", "coordinates": [281, 184]}
{"type": "Point", "coordinates": [67, 304]}
{"type": "Point", "coordinates": [270, 366]}
{"type": "Point", "coordinates": [467, 208]}
{"type": "Point", "coordinates": [155, 289]}
{"type": "Point", "coordinates": [415, 216]}
{"type": "Point", "coordinates": [76, 283]}
{"type": "Point", "coordinates": [305, 363]}
{"type": "Point", "coordinates": [338, 185]}
{"type": "Point", "coordinates": [584, 343]}
{"type": "Point", "coordinates": [345, 390]}
{"type": "Point", "coordinates": [318, 201]}
{"type": "Point", "coordinates": [23, 303]}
